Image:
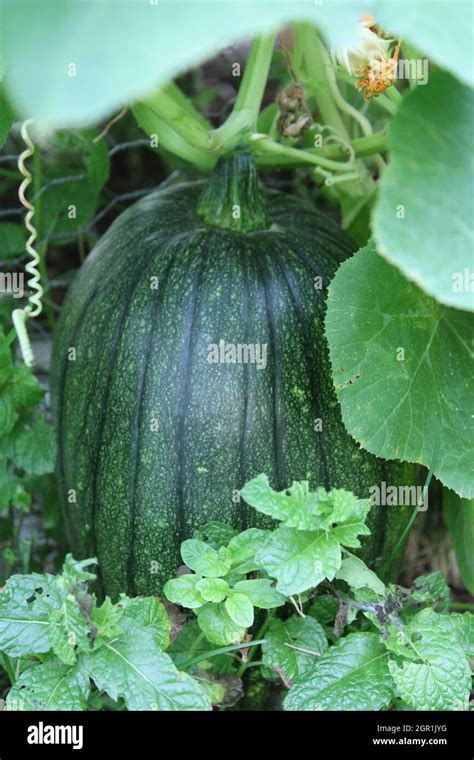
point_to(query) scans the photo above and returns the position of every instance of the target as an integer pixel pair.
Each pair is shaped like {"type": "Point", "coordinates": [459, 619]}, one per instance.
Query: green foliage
{"type": "Point", "coordinates": [432, 590]}
{"type": "Point", "coordinates": [120, 647]}
{"type": "Point", "coordinates": [74, 171]}
{"type": "Point", "coordinates": [352, 675]}
{"type": "Point", "coordinates": [133, 666]}
{"type": "Point", "coordinates": [218, 590]}
{"type": "Point", "coordinates": [431, 671]}
{"type": "Point", "coordinates": [420, 167]}
{"type": "Point", "coordinates": [363, 670]}
{"type": "Point", "coordinates": [216, 534]}
{"type": "Point", "coordinates": [298, 557]}
{"type": "Point", "coordinates": [50, 685]}
{"type": "Point", "coordinates": [69, 171]}
{"type": "Point", "coordinates": [40, 89]}
{"type": "Point", "coordinates": [204, 560]}
{"type": "Point", "coordinates": [27, 449]}
{"type": "Point", "coordinates": [292, 645]}
{"type": "Point", "coordinates": [436, 28]}
{"type": "Point", "coordinates": [353, 644]}
{"type": "Point", "coordinates": [357, 575]}
{"type": "Point", "coordinates": [217, 625]}
{"type": "Point", "coordinates": [401, 366]}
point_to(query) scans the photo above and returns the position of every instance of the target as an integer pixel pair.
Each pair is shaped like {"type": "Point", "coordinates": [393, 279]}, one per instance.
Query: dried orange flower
{"type": "Point", "coordinates": [370, 59]}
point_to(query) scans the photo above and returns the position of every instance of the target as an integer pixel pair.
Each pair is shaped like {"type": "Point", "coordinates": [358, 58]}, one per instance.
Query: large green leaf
{"type": "Point", "coordinates": [459, 516]}
{"type": "Point", "coordinates": [50, 685]}
{"type": "Point", "coordinates": [217, 625]}
{"type": "Point", "coordinates": [439, 28]}
{"type": "Point", "coordinates": [358, 575]}
{"type": "Point", "coordinates": [26, 606]}
{"type": "Point", "coordinates": [261, 593]}
{"type": "Point", "coordinates": [134, 667]}
{"type": "Point", "coordinates": [240, 609]}
{"type": "Point", "coordinates": [299, 559]}
{"type": "Point", "coordinates": [144, 44]}
{"type": "Point", "coordinates": [440, 679]}
{"type": "Point", "coordinates": [402, 368]}
{"type": "Point", "coordinates": [125, 52]}
{"type": "Point", "coordinates": [294, 506]}
{"type": "Point", "coordinates": [212, 589]}
{"type": "Point", "coordinates": [423, 221]}
{"type": "Point", "coordinates": [183, 591]}
{"type": "Point", "coordinates": [205, 560]}
{"type": "Point", "coordinates": [461, 627]}
{"type": "Point", "coordinates": [243, 548]}
{"type": "Point", "coordinates": [26, 388]}
{"type": "Point", "coordinates": [351, 675]}
{"type": "Point", "coordinates": [24, 631]}
{"type": "Point", "coordinates": [292, 646]}
{"type": "Point", "coordinates": [34, 448]}
{"type": "Point", "coordinates": [71, 631]}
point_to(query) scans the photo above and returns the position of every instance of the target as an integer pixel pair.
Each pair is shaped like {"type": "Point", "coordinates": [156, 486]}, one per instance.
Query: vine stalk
{"type": "Point", "coordinates": [321, 78]}
{"type": "Point", "coordinates": [242, 121]}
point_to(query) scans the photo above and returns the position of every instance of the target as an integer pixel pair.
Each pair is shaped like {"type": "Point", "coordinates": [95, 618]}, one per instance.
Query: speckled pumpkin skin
{"type": "Point", "coordinates": [155, 440]}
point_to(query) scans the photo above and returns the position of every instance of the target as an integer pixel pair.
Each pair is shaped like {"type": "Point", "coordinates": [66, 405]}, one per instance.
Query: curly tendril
{"type": "Point", "coordinates": [34, 306]}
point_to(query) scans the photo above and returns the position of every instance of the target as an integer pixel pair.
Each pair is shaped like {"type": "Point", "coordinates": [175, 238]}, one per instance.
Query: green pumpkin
{"type": "Point", "coordinates": [191, 356]}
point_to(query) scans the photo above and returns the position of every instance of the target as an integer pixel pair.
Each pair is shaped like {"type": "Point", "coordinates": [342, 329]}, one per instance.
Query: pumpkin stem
{"type": "Point", "coordinates": [231, 199]}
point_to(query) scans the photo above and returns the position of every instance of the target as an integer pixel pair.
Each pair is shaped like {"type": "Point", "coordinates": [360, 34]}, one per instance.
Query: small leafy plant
{"type": "Point", "coordinates": [330, 633]}
{"type": "Point", "coordinates": [55, 638]}
{"type": "Point", "coordinates": [27, 454]}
